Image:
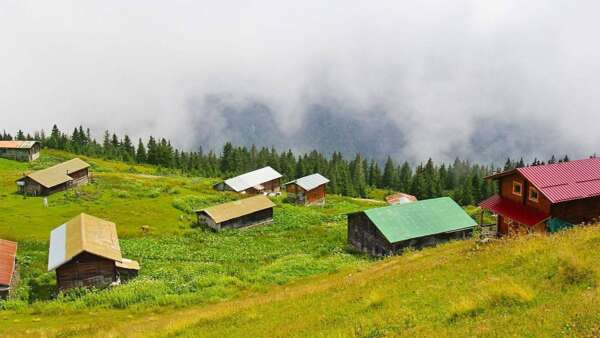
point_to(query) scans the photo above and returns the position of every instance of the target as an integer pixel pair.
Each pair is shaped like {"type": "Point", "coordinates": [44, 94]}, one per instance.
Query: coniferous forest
{"type": "Point", "coordinates": [462, 179]}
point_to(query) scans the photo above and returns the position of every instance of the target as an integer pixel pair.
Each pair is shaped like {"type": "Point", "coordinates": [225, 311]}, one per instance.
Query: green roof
{"type": "Point", "coordinates": [401, 222]}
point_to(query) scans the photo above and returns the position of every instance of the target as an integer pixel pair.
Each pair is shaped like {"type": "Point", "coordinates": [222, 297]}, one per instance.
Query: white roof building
{"type": "Point", "coordinates": [310, 182]}
{"type": "Point", "coordinates": [252, 179]}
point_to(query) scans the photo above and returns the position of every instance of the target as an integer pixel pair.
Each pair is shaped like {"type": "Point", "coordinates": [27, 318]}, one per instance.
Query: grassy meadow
{"type": "Point", "coordinates": [296, 277]}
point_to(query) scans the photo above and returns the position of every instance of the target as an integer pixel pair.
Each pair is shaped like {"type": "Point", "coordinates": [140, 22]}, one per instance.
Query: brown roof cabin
{"type": "Point", "coordinates": [400, 198]}
{"type": "Point", "coordinates": [56, 178]}
{"type": "Point", "coordinates": [307, 190]}
{"type": "Point", "coordinates": [261, 181]}
{"type": "Point", "coordinates": [25, 151]}
{"type": "Point", "coordinates": [252, 211]}
{"type": "Point", "coordinates": [8, 267]}
{"type": "Point", "coordinates": [546, 197]}
{"type": "Point", "coordinates": [85, 252]}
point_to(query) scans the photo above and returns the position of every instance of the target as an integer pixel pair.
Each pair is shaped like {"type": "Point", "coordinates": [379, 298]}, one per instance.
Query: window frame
{"type": "Point", "coordinates": [517, 184]}
{"type": "Point", "coordinates": [537, 195]}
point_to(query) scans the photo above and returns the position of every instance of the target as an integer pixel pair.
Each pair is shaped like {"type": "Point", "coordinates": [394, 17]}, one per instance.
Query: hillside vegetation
{"type": "Point", "coordinates": [295, 277]}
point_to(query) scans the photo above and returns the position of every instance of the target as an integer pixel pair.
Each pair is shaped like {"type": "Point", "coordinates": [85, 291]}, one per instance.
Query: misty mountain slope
{"type": "Point", "coordinates": [324, 128]}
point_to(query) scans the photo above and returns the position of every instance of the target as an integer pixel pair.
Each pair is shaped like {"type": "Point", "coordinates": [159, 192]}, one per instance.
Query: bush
{"type": "Point", "coordinates": [42, 287]}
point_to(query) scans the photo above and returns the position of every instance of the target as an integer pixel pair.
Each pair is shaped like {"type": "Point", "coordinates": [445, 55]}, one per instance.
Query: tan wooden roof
{"type": "Point", "coordinates": [84, 233]}
{"type": "Point", "coordinates": [227, 211]}
{"type": "Point", "coordinates": [17, 144]}
{"type": "Point", "coordinates": [128, 264]}
{"type": "Point", "coordinates": [55, 175]}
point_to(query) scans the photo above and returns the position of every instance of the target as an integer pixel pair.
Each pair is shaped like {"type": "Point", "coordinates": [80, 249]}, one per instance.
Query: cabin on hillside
{"type": "Point", "coordinates": [546, 198]}
{"type": "Point", "coordinates": [85, 252]}
{"type": "Point", "coordinates": [8, 268]}
{"type": "Point", "coordinates": [261, 181]}
{"type": "Point", "coordinates": [252, 211]}
{"type": "Point", "coordinates": [307, 190]}
{"type": "Point", "coordinates": [388, 230]}
{"type": "Point", "coordinates": [25, 151]}
{"type": "Point", "coordinates": [56, 178]}
{"type": "Point", "coordinates": [400, 198]}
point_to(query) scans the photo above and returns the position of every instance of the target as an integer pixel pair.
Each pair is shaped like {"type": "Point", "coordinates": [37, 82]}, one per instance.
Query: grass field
{"type": "Point", "coordinates": [293, 278]}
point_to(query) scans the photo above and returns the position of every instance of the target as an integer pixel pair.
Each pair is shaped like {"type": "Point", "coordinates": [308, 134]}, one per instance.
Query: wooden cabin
{"type": "Point", "coordinates": [252, 211]}
{"type": "Point", "coordinates": [25, 151]}
{"type": "Point", "coordinates": [388, 230]}
{"type": "Point", "coordinates": [85, 252]}
{"type": "Point", "coordinates": [546, 197]}
{"type": "Point", "coordinates": [56, 178]}
{"type": "Point", "coordinates": [400, 198]}
{"type": "Point", "coordinates": [307, 190]}
{"type": "Point", "coordinates": [261, 181]}
{"type": "Point", "coordinates": [8, 268]}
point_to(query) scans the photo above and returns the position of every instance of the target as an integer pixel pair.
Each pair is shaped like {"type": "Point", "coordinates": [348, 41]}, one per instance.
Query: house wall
{"type": "Point", "coordinates": [24, 155]}
{"type": "Point", "coordinates": [256, 218]}
{"type": "Point", "coordinates": [364, 235]}
{"type": "Point", "coordinates": [301, 196]}
{"type": "Point", "coordinates": [578, 211]}
{"type": "Point", "coordinates": [126, 274]}
{"type": "Point", "coordinates": [86, 270]}
{"type": "Point", "coordinates": [506, 191]}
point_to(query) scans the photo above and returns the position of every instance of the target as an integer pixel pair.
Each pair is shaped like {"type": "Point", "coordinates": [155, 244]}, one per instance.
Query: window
{"type": "Point", "coordinates": [533, 194]}
{"type": "Point", "coordinates": [517, 188]}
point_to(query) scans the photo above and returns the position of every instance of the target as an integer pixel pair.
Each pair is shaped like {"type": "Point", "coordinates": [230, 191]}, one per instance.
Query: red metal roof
{"type": "Point", "coordinates": [8, 252]}
{"type": "Point", "coordinates": [561, 182]}
{"type": "Point", "coordinates": [513, 210]}
{"type": "Point", "coordinates": [566, 181]}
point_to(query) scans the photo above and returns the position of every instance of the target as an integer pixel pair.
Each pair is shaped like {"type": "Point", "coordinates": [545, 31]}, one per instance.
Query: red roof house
{"type": "Point", "coordinates": [530, 198]}
{"type": "Point", "coordinates": [8, 253]}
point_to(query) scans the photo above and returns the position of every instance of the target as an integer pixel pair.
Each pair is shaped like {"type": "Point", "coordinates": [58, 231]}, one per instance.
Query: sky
{"type": "Point", "coordinates": [413, 79]}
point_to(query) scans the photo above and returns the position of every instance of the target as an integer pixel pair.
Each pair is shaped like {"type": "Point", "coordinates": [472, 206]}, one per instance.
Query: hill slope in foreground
{"type": "Point", "coordinates": [293, 278]}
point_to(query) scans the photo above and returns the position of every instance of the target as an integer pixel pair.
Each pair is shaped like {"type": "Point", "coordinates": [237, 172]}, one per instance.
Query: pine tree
{"type": "Point", "coordinates": [140, 156]}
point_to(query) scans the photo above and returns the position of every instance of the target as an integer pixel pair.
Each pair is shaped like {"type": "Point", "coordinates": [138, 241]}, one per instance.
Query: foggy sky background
{"type": "Point", "coordinates": [414, 79]}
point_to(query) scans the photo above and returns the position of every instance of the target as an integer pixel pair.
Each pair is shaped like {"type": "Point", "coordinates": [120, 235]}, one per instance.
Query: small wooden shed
{"type": "Point", "coordinates": [387, 230]}
{"type": "Point", "coordinates": [252, 211]}
{"type": "Point", "coordinates": [25, 151]}
{"type": "Point", "coordinates": [400, 198]}
{"type": "Point", "coordinates": [261, 181]}
{"type": "Point", "coordinates": [85, 252]}
{"type": "Point", "coordinates": [56, 178]}
{"type": "Point", "coordinates": [8, 267]}
{"type": "Point", "coordinates": [307, 190]}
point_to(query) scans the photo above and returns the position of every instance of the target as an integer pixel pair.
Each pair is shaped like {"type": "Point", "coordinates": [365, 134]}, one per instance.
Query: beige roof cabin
{"type": "Point", "coordinates": [26, 151]}
{"type": "Point", "coordinates": [400, 198]}
{"type": "Point", "coordinates": [247, 212]}
{"type": "Point", "coordinates": [56, 178]}
{"type": "Point", "coordinates": [85, 252]}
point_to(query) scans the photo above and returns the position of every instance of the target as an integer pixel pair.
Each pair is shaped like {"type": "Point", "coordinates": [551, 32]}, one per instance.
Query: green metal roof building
{"type": "Point", "coordinates": [383, 231]}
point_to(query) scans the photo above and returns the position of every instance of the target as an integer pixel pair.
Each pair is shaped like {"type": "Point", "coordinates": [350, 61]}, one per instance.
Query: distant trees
{"type": "Point", "coordinates": [461, 179]}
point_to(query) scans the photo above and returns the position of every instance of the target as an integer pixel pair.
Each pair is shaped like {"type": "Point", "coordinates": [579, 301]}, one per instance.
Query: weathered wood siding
{"type": "Point", "coordinates": [300, 196]}
{"type": "Point", "coordinates": [578, 211]}
{"type": "Point", "coordinates": [24, 155]}
{"type": "Point", "coordinates": [256, 218]}
{"type": "Point", "coordinates": [86, 270]}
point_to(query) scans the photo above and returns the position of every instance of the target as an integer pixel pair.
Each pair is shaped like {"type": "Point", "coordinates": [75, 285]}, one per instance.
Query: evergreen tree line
{"type": "Point", "coordinates": [461, 179]}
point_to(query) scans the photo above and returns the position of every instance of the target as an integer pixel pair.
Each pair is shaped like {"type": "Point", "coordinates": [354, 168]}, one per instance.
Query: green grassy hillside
{"type": "Point", "coordinates": [293, 278]}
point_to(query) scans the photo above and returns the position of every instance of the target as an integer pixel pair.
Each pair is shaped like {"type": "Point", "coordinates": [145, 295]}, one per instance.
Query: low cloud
{"type": "Point", "coordinates": [476, 79]}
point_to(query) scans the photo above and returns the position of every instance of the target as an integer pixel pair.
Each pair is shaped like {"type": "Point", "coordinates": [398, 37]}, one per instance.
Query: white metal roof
{"type": "Point", "coordinates": [252, 179]}
{"type": "Point", "coordinates": [311, 181]}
